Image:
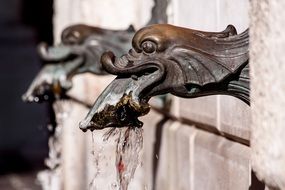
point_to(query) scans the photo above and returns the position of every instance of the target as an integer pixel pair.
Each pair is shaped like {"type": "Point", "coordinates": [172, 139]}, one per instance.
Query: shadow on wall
{"type": "Point", "coordinates": [255, 183]}
{"type": "Point", "coordinates": [23, 132]}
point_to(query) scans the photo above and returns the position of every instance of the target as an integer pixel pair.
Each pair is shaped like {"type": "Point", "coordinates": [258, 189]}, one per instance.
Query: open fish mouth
{"type": "Point", "coordinates": [126, 97]}
{"type": "Point", "coordinates": [54, 79]}
{"type": "Point", "coordinates": [44, 92]}
{"type": "Point", "coordinates": [52, 82]}
{"type": "Point", "coordinates": [124, 113]}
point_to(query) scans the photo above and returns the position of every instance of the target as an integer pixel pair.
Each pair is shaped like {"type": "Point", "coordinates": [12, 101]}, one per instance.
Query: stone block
{"type": "Point", "coordinates": [219, 164]}
{"type": "Point", "coordinates": [162, 173]}
{"type": "Point", "coordinates": [174, 158]}
{"type": "Point", "coordinates": [201, 110]}
{"type": "Point", "coordinates": [152, 126]}
{"type": "Point", "coordinates": [189, 13]}
{"type": "Point", "coordinates": [184, 146]}
{"type": "Point", "coordinates": [267, 93]}
{"type": "Point", "coordinates": [172, 170]}
{"type": "Point", "coordinates": [87, 87]}
{"type": "Point", "coordinates": [234, 117]}
{"type": "Point", "coordinates": [233, 12]}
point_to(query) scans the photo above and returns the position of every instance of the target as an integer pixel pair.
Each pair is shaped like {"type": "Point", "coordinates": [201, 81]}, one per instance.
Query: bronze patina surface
{"type": "Point", "coordinates": [181, 61]}
{"type": "Point", "coordinates": [123, 114]}
{"type": "Point", "coordinates": [79, 52]}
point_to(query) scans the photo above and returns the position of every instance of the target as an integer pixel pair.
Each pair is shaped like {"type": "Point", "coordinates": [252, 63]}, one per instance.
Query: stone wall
{"type": "Point", "coordinates": [209, 149]}
{"type": "Point", "coordinates": [79, 151]}
{"type": "Point", "coordinates": [267, 94]}
{"type": "Point", "coordinates": [206, 146]}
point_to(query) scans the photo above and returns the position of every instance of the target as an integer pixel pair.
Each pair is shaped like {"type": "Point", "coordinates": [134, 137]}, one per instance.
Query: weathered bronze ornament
{"type": "Point", "coordinates": [170, 59]}
{"type": "Point", "coordinates": [79, 52]}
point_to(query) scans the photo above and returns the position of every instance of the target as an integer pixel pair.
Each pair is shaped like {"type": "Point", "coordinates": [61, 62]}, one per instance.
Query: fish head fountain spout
{"type": "Point", "coordinates": [54, 78]}
{"type": "Point", "coordinates": [165, 59]}
{"type": "Point", "coordinates": [79, 52]}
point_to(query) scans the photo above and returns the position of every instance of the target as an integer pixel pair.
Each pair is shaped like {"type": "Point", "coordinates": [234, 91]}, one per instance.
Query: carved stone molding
{"type": "Point", "coordinates": [170, 59]}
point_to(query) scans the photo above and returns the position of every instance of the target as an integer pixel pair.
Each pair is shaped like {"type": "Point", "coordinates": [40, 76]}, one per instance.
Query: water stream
{"type": "Point", "coordinates": [96, 160]}
{"type": "Point", "coordinates": [129, 143]}
{"type": "Point", "coordinates": [51, 178]}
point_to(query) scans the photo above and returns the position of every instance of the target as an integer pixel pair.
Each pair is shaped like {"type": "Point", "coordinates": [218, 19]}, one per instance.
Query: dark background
{"type": "Point", "coordinates": [23, 132]}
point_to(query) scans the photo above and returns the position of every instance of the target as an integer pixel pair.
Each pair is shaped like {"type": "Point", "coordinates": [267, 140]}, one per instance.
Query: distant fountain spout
{"type": "Point", "coordinates": [78, 53]}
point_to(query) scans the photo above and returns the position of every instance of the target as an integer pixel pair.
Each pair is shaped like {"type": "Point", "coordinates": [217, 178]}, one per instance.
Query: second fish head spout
{"type": "Point", "coordinates": [79, 52]}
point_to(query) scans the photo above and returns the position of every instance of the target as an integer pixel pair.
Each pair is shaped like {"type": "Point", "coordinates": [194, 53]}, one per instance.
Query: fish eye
{"type": "Point", "coordinates": [148, 47]}
{"type": "Point", "coordinates": [76, 34]}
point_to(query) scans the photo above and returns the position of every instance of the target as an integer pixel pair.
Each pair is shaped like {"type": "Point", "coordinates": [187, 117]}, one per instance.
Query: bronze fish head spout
{"type": "Point", "coordinates": [79, 52]}
{"type": "Point", "coordinates": [165, 59]}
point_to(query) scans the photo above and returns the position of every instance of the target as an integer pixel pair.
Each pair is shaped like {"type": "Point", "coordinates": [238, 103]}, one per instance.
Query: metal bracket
{"type": "Point", "coordinates": [170, 59]}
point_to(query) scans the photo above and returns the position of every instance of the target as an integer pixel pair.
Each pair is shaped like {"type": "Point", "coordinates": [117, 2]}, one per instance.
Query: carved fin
{"type": "Point", "coordinates": [214, 60]}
